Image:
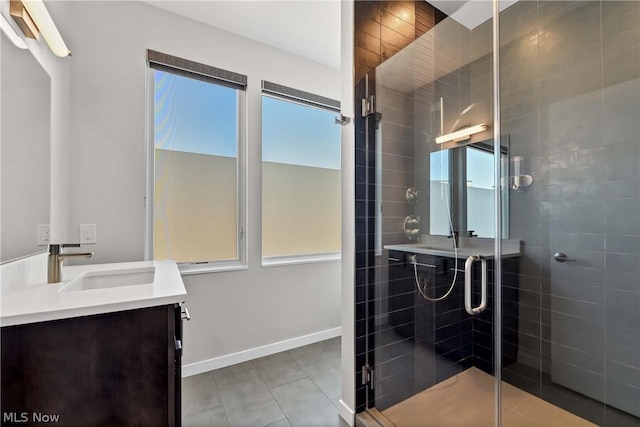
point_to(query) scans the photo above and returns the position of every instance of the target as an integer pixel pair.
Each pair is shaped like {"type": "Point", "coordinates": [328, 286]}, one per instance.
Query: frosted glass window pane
{"type": "Point", "coordinates": [300, 179]}
{"type": "Point", "coordinates": [196, 169]}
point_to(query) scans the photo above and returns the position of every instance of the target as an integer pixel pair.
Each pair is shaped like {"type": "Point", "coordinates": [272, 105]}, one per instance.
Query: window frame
{"type": "Point", "coordinates": [305, 99]}
{"type": "Point", "coordinates": [188, 268]}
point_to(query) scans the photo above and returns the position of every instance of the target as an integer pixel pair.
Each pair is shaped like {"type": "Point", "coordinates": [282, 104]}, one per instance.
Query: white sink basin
{"type": "Point", "coordinates": [111, 279]}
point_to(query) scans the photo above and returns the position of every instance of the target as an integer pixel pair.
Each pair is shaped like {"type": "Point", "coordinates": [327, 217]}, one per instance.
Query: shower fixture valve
{"type": "Point", "coordinates": [411, 227]}
{"type": "Point", "coordinates": [412, 195]}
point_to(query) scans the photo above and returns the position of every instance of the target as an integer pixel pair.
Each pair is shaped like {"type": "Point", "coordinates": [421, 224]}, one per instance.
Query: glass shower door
{"type": "Point", "coordinates": [570, 105]}
{"type": "Point", "coordinates": [431, 359]}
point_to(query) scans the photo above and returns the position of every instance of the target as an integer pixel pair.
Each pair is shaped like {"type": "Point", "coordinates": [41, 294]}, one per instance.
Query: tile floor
{"type": "Point", "coordinates": [467, 400]}
{"type": "Point", "coordinates": [299, 387]}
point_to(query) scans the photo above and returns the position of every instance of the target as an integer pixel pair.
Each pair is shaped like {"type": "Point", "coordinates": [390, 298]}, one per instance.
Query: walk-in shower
{"type": "Point", "coordinates": [498, 213]}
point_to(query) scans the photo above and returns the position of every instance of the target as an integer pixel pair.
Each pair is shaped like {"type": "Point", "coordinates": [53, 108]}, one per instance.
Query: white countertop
{"type": "Point", "coordinates": [438, 246]}
{"type": "Point", "coordinates": [39, 301]}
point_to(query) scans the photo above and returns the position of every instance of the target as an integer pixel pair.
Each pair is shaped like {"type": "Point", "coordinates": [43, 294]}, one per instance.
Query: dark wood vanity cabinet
{"type": "Point", "coordinates": [114, 369]}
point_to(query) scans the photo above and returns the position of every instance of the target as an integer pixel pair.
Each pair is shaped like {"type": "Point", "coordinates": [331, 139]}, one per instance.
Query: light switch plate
{"type": "Point", "coordinates": [87, 234]}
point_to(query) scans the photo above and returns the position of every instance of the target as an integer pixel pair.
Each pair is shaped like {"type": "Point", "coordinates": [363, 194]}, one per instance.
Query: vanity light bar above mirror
{"type": "Point", "coordinates": [462, 134]}
{"type": "Point", "coordinates": [35, 12]}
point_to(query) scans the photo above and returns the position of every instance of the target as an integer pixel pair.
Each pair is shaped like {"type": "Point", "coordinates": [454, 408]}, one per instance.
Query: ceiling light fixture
{"type": "Point", "coordinates": [36, 12]}
{"type": "Point", "coordinates": [11, 33]}
{"type": "Point", "coordinates": [462, 134]}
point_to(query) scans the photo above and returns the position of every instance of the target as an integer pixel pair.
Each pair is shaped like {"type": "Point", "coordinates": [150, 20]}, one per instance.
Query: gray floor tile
{"type": "Point", "coordinates": [282, 423]}
{"type": "Point", "coordinates": [233, 370]}
{"type": "Point", "coordinates": [212, 418]}
{"type": "Point", "coordinates": [246, 397]}
{"type": "Point", "coordinates": [240, 389]}
{"type": "Point", "coordinates": [336, 402]}
{"type": "Point", "coordinates": [199, 394]}
{"type": "Point", "coordinates": [255, 412]}
{"type": "Point", "coordinates": [307, 350]}
{"type": "Point", "coordinates": [278, 369]}
{"type": "Point", "coordinates": [319, 365]}
{"type": "Point", "coordinates": [333, 346]}
{"type": "Point", "coordinates": [306, 405]}
{"type": "Point", "coordinates": [300, 387]}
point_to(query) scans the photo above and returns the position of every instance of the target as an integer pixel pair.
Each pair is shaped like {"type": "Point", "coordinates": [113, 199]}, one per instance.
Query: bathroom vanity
{"type": "Point", "coordinates": [103, 347]}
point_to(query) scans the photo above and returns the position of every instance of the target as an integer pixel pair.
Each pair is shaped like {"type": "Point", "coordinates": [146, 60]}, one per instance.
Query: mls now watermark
{"type": "Point", "coordinates": [32, 417]}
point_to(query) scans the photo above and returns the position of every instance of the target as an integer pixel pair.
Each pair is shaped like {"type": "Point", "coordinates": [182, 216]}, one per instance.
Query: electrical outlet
{"type": "Point", "coordinates": [44, 234]}
{"type": "Point", "coordinates": [87, 233]}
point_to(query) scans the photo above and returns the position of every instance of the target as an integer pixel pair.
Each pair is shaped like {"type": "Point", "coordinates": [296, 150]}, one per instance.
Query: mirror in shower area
{"type": "Point", "coordinates": [569, 278]}
{"type": "Point", "coordinates": [461, 191]}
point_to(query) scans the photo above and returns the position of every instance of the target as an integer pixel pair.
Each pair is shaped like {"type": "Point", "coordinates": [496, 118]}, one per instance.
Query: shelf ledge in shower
{"type": "Point", "coordinates": [441, 246]}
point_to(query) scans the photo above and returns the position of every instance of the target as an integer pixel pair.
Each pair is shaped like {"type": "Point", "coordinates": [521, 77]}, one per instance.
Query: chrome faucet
{"type": "Point", "coordinates": [56, 257]}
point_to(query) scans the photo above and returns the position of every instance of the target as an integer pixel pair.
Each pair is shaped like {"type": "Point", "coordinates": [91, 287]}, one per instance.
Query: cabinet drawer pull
{"type": "Point", "coordinates": [184, 314]}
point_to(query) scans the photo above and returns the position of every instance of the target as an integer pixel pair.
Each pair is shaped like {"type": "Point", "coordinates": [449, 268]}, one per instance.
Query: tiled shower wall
{"type": "Point", "coordinates": [382, 28]}
{"type": "Point", "coordinates": [570, 84]}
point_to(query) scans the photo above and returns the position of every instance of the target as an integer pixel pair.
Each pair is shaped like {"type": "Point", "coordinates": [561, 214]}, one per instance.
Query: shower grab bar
{"type": "Point", "coordinates": [467, 285]}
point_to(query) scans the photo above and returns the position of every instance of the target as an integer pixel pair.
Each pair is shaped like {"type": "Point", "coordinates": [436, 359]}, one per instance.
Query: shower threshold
{"type": "Point", "coordinates": [467, 399]}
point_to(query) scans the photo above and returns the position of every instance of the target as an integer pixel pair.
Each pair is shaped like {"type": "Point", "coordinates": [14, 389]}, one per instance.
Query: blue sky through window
{"type": "Point", "coordinates": [299, 135]}
{"type": "Point", "coordinates": [195, 116]}
{"type": "Point", "coordinates": [200, 117]}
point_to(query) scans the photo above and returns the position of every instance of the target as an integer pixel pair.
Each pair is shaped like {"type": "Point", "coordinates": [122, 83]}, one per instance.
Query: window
{"type": "Point", "coordinates": [197, 214]}
{"type": "Point", "coordinates": [300, 176]}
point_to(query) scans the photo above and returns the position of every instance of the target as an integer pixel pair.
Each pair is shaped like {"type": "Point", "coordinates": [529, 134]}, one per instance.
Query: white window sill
{"type": "Point", "coordinates": [277, 261]}
{"type": "Point", "coordinates": [187, 269]}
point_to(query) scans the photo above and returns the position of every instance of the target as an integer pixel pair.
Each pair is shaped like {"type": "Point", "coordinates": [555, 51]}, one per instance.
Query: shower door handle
{"type": "Point", "coordinates": [467, 285]}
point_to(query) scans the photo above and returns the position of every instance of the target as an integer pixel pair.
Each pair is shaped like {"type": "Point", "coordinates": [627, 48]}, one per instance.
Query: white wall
{"type": "Point", "coordinates": [231, 312]}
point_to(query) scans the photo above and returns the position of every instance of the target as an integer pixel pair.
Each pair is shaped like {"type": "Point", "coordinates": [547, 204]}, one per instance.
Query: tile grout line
{"type": "Point", "coordinates": [311, 379]}
{"type": "Point", "coordinates": [208, 409]}
{"type": "Point", "coordinates": [274, 397]}
{"type": "Point", "coordinates": [226, 412]}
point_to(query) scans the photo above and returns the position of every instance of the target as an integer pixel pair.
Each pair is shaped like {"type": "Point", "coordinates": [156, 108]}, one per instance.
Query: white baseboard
{"type": "Point", "coordinates": [257, 352]}
{"type": "Point", "coordinates": [346, 413]}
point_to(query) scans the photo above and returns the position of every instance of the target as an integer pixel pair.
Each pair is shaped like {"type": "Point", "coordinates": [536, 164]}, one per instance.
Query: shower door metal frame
{"type": "Point", "coordinates": [497, 313]}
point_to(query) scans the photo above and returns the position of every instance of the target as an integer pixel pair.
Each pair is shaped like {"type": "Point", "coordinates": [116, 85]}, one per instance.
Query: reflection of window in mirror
{"type": "Point", "coordinates": [480, 192]}
{"type": "Point", "coordinates": [462, 185]}
{"type": "Point", "coordinates": [440, 193]}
